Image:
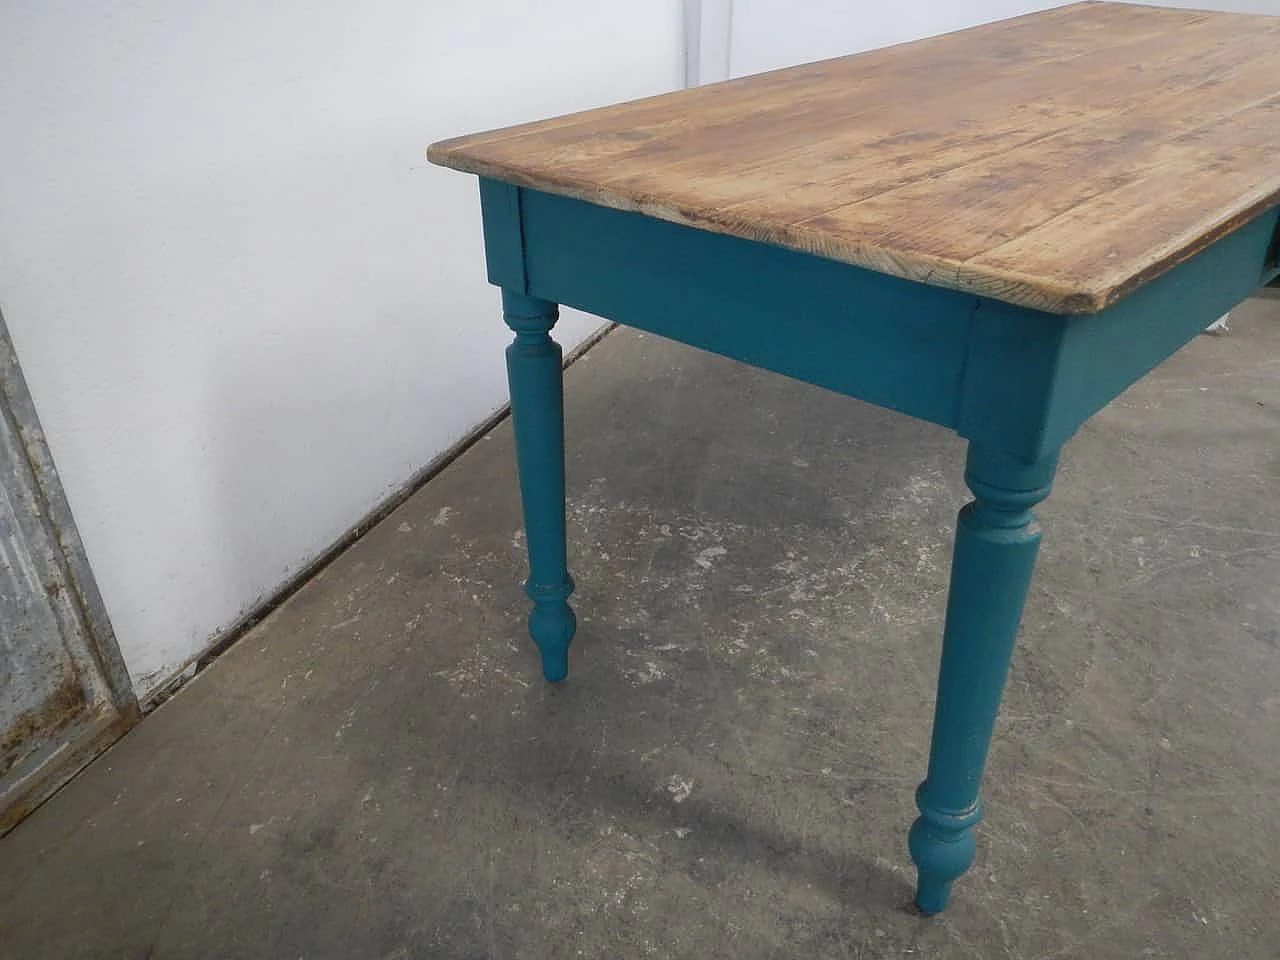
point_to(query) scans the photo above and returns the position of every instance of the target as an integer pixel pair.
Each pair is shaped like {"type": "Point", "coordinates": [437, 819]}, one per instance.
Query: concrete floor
{"type": "Point", "coordinates": [377, 771]}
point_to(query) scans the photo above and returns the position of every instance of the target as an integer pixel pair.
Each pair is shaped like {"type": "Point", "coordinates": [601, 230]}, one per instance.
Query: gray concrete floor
{"type": "Point", "coordinates": [377, 771]}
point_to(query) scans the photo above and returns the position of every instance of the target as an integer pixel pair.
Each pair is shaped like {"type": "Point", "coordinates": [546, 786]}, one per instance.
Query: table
{"type": "Point", "coordinates": [996, 230]}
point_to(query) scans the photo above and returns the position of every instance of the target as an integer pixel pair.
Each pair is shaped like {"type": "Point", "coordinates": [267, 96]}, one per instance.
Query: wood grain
{"type": "Point", "coordinates": [1057, 160]}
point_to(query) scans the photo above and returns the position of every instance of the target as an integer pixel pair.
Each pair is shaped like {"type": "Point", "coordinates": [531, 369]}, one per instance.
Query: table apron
{"type": "Point", "coordinates": [1010, 376]}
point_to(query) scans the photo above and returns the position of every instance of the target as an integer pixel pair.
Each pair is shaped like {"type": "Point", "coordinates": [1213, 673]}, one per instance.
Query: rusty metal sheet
{"type": "Point", "coordinates": [64, 692]}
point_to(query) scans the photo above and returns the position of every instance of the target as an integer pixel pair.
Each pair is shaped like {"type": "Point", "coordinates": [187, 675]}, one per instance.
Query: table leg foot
{"type": "Point", "coordinates": [997, 538]}
{"type": "Point", "coordinates": [552, 624]}
{"type": "Point", "coordinates": [534, 373]}
{"type": "Point", "coordinates": [942, 847]}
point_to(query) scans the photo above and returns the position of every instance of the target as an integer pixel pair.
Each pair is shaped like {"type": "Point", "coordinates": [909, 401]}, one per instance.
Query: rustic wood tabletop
{"type": "Point", "coordinates": [1056, 160]}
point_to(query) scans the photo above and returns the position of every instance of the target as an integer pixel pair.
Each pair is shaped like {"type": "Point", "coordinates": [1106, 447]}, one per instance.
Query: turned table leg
{"type": "Point", "coordinates": [995, 551]}
{"type": "Point", "coordinates": [534, 372]}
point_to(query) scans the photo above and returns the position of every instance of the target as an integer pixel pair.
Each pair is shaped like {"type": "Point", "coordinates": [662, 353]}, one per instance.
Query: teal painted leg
{"type": "Point", "coordinates": [534, 367]}
{"type": "Point", "coordinates": [996, 541]}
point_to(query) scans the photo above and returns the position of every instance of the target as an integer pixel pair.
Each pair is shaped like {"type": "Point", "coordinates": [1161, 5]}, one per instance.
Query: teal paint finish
{"type": "Point", "coordinates": [997, 538]}
{"type": "Point", "coordinates": [1273, 252]}
{"type": "Point", "coordinates": [1013, 358]}
{"type": "Point", "coordinates": [534, 372]}
{"type": "Point", "coordinates": [1104, 353]}
{"type": "Point", "coordinates": [1015, 382]}
{"type": "Point", "coordinates": [878, 338]}
{"type": "Point", "coordinates": [503, 234]}
{"type": "Point", "coordinates": [1034, 378]}
{"type": "Point", "coordinates": [1000, 374]}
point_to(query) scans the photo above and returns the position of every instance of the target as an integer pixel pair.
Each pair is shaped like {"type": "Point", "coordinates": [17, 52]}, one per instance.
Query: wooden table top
{"type": "Point", "coordinates": [1057, 160]}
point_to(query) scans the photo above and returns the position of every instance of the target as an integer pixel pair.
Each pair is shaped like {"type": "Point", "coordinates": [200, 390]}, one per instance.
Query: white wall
{"type": "Point", "coordinates": [246, 307]}
{"type": "Point", "coordinates": [767, 34]}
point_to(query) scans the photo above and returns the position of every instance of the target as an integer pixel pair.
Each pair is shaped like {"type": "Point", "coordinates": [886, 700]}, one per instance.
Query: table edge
{"type": "Point", "coordinates": [1023, 290]}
